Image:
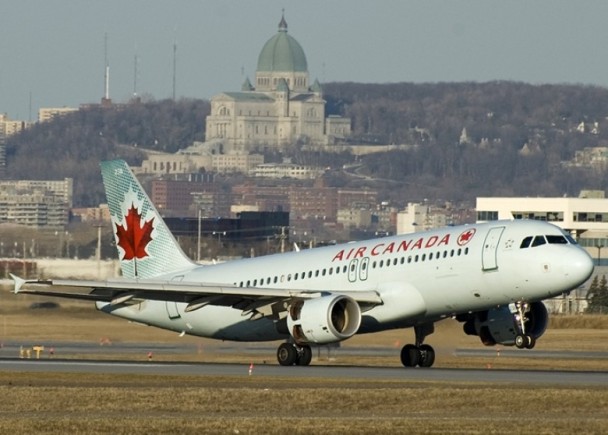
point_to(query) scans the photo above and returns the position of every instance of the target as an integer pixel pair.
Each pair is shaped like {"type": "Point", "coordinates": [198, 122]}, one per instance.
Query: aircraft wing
{"type": "Point", "coordinates": [196, 295]}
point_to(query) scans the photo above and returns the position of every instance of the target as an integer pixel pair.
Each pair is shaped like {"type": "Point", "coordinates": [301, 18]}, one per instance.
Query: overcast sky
{"type": "Point", "coordinates": [53, 50]}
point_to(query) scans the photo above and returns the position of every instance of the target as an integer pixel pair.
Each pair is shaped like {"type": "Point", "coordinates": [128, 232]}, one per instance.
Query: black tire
{"type": "Point", "coordinates": [531, 342]}
{"type": "Point", "coordinates": [521, 341]}
{"type": "Point", "coordinates": [410, 355]}
{"type": "Point", "coordinates": [304, 356]}
{"type": "Point", "coordinates": [427, 356]}
{"type": "Point", "coordinates": [287, 354]}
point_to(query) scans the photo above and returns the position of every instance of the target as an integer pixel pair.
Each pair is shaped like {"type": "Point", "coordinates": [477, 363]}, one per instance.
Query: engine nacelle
{"type": "Point", "coordinates": [498, 325]}
{"type": "Point", "coordinates": [327, 319]}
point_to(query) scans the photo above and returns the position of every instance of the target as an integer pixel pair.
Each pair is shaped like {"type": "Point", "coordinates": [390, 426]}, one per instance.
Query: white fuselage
{"type": "Point", "coordinates": [420, 277]}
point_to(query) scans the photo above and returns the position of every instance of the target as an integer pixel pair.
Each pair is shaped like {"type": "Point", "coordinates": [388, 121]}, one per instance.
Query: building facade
{"type": "Point", "coordinates": [420, 217]}
{"type": "Point", "coordinates": [585, 217]}
{"type": "Point", "coordinates": [49, 113]}
{"type": "Point", "coordinates": [36, 203]}
{"type": "Point", "coordinates": [282, 107]}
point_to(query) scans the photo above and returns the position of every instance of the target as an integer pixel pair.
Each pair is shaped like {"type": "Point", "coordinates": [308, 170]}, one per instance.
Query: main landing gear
{"type": "Point", "coordinates": [522, 340]}
{"type": "Point", "coordinates": [421, 355]}
{"type": "Point", "coordinates": [290, 354]}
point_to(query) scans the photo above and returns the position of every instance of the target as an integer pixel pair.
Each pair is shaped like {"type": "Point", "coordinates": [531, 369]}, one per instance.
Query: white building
{"type": "Point", "coordinates": [419, 217]}
{"type": "Point", "coordinates": [585, 217]}
{"type": "Point", "coordinates": [185, 163]}
{"type": "Point", "coordinates": [282, 107]}
{"type": "Point", "coordinates": [9, 127]}
{"type": "Point", "coordinates": [49, 113]}
{"type": "Point", "coordinates": [36, 203]}
{"type": "Point", "coordinates": [286, 170]}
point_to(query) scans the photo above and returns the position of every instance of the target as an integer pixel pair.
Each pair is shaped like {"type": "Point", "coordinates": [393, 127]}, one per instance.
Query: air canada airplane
{"type": "Point", "coordinates": [492, 277]}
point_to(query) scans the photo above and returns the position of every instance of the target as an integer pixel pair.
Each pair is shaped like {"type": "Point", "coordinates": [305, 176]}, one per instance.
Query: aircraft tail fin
{"type": "Point", "coordinates": [146, 247]}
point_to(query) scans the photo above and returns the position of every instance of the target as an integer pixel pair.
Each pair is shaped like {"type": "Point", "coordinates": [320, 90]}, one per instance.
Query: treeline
{"type": "Point", "coordinates": [74, 144]}
{"type": "Point", "coordinates": [517, 135]}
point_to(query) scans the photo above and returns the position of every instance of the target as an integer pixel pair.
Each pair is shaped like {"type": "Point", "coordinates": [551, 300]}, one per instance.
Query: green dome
{"type": "Point", "coordinates": [282, 53]}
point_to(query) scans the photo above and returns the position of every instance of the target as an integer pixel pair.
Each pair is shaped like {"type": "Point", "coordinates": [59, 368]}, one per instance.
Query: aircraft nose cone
{"type": "Point", "coordinates": [580, 266]}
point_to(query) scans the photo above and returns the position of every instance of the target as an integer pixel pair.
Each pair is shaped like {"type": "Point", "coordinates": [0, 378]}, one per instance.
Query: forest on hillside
{"type": "Point", "coordinates": [517, 136]}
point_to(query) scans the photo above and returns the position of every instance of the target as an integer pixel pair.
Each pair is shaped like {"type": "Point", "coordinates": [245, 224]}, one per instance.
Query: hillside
{"type": "Point", "coordinates": [73, 145]}
{"type": "Point", "coordinates": [516, 136]}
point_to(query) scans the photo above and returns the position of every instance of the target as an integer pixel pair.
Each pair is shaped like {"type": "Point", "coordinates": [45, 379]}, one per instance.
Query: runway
{"type": "Point", "coordinates": [530, 377]}
{"type": "Point", "coordinates": [101, 359]}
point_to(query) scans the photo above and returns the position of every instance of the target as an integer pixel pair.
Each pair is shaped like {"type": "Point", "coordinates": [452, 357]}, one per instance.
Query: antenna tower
{"type": "Point", "coordinates": [174, 66]}
{"type": "Point", "coordinates": [105, 101]}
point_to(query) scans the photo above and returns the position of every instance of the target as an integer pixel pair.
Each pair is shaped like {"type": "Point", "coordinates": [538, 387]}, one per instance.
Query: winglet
{"type": "Point", "coordinates": [18, 282]}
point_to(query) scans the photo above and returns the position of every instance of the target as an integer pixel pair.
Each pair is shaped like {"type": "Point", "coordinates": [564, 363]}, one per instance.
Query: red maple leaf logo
{"type": "Point", "coordinates": [465, 237]}
{"type": "Point", "coordinates": [133, 237]}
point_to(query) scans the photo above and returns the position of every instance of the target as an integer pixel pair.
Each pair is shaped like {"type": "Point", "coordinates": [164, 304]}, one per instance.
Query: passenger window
{"type": "Point", "coordinates": [525, 243]}
{"type": "Point", "coordinates": [431, 256]}
{"type": "Point", "coordinates": [538, 240]}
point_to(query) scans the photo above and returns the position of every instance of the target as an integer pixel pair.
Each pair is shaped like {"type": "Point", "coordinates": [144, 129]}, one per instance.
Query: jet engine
{"type": "Point", "coordinates": [327, 319]}
{"type": "Point", "coordinates": [500, 325]}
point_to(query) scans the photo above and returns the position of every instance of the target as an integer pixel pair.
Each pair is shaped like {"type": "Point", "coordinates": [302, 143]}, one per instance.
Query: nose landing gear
{"type": "Point", "coordinates": [522, 340]}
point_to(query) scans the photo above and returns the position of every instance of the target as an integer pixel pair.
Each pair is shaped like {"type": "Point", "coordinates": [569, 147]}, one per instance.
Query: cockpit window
{"type": "Point", "coordinates": [538, 240]}
{"type": "Point", "coordinates": [557, 240]}
{"type": "Point", "coordinates": [525, 243]}
{"type": "Point", "coordinates": [553, 239]}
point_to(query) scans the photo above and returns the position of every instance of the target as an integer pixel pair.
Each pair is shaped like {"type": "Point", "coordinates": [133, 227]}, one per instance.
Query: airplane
{"type": "Point", "coordinates": [491, 276]}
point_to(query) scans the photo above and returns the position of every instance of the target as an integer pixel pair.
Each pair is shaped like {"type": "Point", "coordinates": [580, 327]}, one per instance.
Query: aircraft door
{"type": "Point", "coordinates": [490, 249]}
{"type": "Point", "coordinates": [352, 270]}
{"type": "Point", "coordinates": [363, 268]}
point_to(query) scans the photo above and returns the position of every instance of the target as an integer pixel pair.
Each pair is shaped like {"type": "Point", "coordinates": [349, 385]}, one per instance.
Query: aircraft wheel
{"type": "Point", "coordinates": [427, 356]}
{"type": "Point", "coordinates": [410, 355]}
{"type": "Point", "coordinates": [531, 342]}
{"type": "Point", "coordinates": [304, 356]}
{"type": "Point", "coordinates": [287, 355]}
{"type": "Point", "coordinates": [521, 341]}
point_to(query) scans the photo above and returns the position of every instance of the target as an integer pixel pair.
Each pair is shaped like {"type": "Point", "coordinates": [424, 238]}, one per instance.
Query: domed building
{"type": "Point", "coordinates": [280, 109]}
